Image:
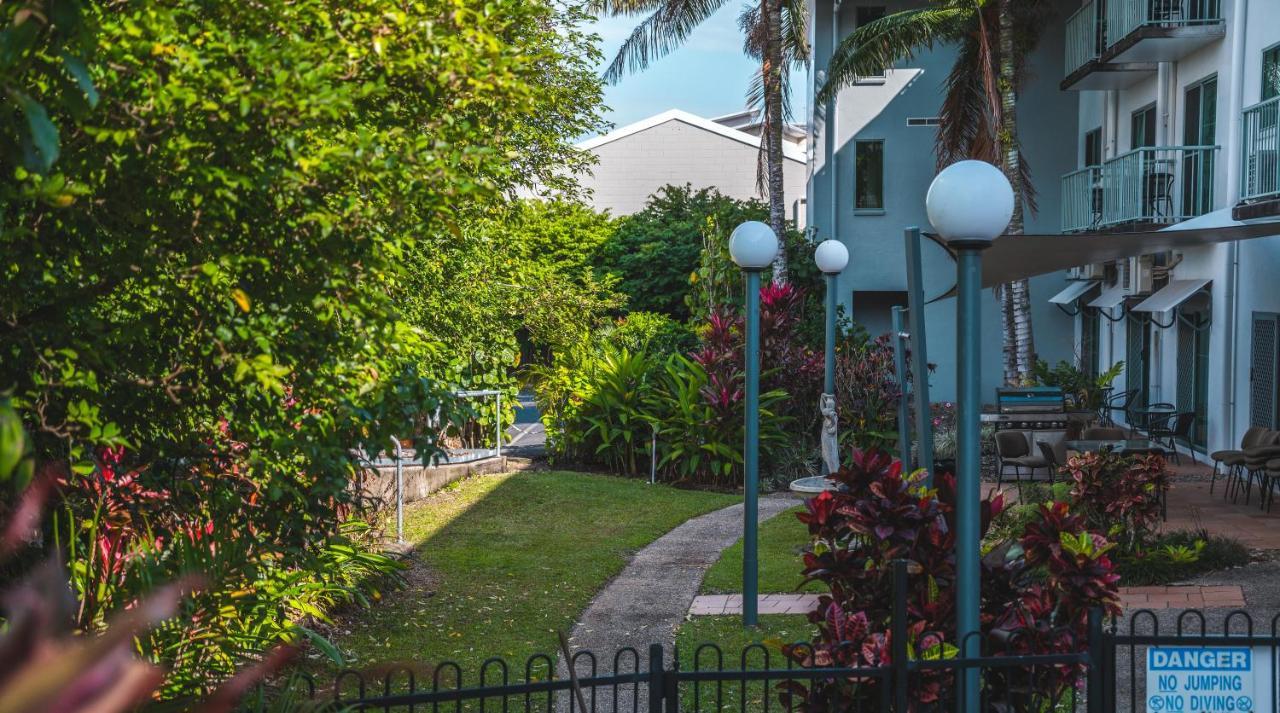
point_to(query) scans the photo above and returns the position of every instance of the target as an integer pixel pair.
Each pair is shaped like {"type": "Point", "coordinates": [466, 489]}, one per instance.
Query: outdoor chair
{"type": "Point", "coordinates": [1104, 433]}
{"type": "Point", "coordinates": [1053, 460]}
{"type": "Point", "coordinates": [1270, 475]}
{"type": "Point", "coordinates": [1146, 417]}
{"type": "Point", "coordinates": [1171, 429]}
{"type": "Point", "coordinates": [1255, 462]}
{"type": "Point", "coordinates": [1012, 449]}
{"type": "Point", "coordinates": [1233, 459]}
{"type": "Point", "coordinates": [1118, 403]}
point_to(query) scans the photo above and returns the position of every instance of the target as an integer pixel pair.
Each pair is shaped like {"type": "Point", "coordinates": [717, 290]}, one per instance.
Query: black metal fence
{"type": "Point", "coordinates": [1109, 676]}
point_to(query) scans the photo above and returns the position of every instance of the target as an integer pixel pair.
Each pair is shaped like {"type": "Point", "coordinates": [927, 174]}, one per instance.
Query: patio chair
{"type": "Point", "coordinates": [1271, 474]}
{"type": "Point", "coordinates": [1118, 403]}
{"type": "Point", "coordinates": [1233, 459]}
{"type": "Point", "coordinates": [1104, 433]}
{"type": "Point", "coordinates": [1171, 429]}
{"type": "Point", "coordinates": [1051, 458]}
{"type": "Point", "coordinates": [1255, 461]}
{"type": "Point", "coordinates": [1012, 449]}
{"type": "Point", "coordinates": [1147, 417]}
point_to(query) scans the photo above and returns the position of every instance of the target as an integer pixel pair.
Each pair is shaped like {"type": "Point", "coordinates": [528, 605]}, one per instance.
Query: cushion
{"type": "Point", "coordinates": [1223, 455]}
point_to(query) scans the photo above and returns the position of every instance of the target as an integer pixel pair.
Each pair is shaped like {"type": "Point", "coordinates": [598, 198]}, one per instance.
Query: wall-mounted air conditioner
{"type": "Point", "coordinates": [1136, 275]}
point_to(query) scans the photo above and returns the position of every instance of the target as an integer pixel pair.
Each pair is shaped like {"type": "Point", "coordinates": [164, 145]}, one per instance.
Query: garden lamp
{"type": "Point", "coordinates": [831, 257]}
{"type": "Point", "coordinates": [753, 246]}
{"type": "Point", "coordinates": [970, 204]}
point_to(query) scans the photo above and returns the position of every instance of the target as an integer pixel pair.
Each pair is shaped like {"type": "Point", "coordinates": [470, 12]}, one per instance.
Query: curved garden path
{"type": "Point", "coordinates": [647, 601]}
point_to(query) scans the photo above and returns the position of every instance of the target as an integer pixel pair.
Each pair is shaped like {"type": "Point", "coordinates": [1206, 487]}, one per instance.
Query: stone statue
{"type": "Point", "coordinates": [830, 448]}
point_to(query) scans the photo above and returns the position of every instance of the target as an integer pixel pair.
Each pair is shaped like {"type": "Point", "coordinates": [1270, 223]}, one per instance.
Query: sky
{"type": "Point", "coordinates": [708, 76]}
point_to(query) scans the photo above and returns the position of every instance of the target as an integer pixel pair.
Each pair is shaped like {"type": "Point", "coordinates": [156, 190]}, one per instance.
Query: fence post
{"type": "Point", "coordinates": [655, 678]}
{"type": "Point", "coordinates": [898, 632]}
{"type": "Point", "coordinates": [1097, 661]}
{"type": "Point", "coordinates": [498, 429]}
{"type": "Point", "coordinates": [399, 454]}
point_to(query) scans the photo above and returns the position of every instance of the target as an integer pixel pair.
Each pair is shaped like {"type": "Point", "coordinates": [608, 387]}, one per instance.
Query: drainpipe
{"type": "Point", "coordinates": [833, 163]}
{"type": "Point", "coordinates": [1239, 18]}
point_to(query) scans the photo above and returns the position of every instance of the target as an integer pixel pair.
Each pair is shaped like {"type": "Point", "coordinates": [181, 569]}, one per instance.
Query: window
{"type": "Point", "coordinates": [1271, 73]}
{"type": "Point", "coordinates": [1142, 129]}
{"type": "Point", "coordinates": [923, 121]}
{"type": "Point", "coordinates": [1093, 147]}
{"type": "Point", "coordinates": [865, 15]}
{"type": "Point", "coordinates": [868, 175]}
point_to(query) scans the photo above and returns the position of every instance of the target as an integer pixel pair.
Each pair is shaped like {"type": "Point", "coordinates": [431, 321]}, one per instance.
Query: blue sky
{"type": "Point", "coordinates": [708, 76]}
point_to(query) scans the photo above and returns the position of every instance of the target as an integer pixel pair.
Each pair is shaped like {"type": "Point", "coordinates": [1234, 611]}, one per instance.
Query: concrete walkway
{"type": "Point", "coordinates": [646, 602]}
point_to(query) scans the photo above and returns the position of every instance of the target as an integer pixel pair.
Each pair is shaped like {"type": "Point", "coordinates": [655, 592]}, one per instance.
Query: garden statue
{"type": "Point", "coordinates": [830, 448]}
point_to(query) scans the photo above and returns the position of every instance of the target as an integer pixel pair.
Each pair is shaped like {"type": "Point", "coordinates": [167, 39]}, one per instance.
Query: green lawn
{"type": "Point", "coordinates": [781, 540]}
{"type": "Point", "coordinates": [509, 561]}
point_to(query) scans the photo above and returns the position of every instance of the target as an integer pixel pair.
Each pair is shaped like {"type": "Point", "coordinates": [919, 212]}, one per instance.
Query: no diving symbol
{"type": "Point", "coordinates": [1244, 703]}
{"type": "Point", "coordinates": [1156, 703]}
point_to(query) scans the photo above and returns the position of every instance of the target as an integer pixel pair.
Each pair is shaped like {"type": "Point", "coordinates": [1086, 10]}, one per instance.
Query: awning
{"type": "Point", "coordinates": [1110, 298]}
{"type": "Point", "coordinates": [1171, 295]}
{"type": "Point", "coordinates": [1014, 257]}
{"type": "Point", "coordinates": [1073, 292]}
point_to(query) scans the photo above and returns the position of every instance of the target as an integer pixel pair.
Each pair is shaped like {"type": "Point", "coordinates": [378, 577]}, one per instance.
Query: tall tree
{"type": "Point", "coordinates": [775, 33]}
{"type": "Point", "coordinates": [979, 108]}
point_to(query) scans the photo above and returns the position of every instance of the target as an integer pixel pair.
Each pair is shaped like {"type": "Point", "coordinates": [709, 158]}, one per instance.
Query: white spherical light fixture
{"type": "Point", "coordinates": [970, 201]}
{"type": "Point", "coordinates": [753, 245]}
{"type": "Point", "coordinates": [831, 256]}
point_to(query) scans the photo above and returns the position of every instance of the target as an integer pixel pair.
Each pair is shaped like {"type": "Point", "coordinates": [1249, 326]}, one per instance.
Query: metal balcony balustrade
{"type": "Point", "coordinates": [1158, 185]}
{"type": "Point", "coordinates": [1260, 164]}
{"type": "Point", "coordinates": [1125, 16]}
{"type": "Point", "coordinates": [1084, 38]}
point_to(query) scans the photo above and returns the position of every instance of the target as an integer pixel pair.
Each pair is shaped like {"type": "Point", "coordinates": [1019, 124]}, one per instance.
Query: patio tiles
{"type": "Point", "coordinates": [1131, 598]}
{"type": "Point", "coordinates": [1191, 507]}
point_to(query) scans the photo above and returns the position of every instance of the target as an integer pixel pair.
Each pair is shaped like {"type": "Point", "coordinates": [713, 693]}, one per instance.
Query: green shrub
{"type": "Point", "coordinates": [612, 424]}
{"type": "Point", "coordinates": [650, 332]}
{"type": "Point", "coordinates": [1179, 556]}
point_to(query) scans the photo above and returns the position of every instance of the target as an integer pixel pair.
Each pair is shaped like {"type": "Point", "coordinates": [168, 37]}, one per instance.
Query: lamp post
{"type": "Point", "coordinates": [969, 204]}
{"type": "Point", "coordinates": [832, 257]}
{"type": "Point", "coordinates": [753, 246]}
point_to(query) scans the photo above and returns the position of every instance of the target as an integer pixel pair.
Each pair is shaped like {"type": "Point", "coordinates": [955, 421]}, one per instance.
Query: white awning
{"type": "Point", "coordinates": [1171, 295]}
{"type": "Point", "coordinates": [1110, 298]}
{"type": "Point", "coordinates": [1073, 292]}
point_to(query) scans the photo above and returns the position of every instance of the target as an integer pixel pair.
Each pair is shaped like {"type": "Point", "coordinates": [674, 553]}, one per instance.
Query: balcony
{"type": "Point", "coordinates": [1113, 43]}
{"type": "Point", "coordinates": [1261, 161]}
{"type": "Point", "coordinates": [1147, 187]}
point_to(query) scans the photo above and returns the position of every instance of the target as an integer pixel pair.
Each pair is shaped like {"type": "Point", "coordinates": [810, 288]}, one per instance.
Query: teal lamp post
{"type": "Point", "coordinates": [969, 204]}
{"type": "Point", "coordinates": [753, 246]}
{"type": "Point", "coordinates": [831, 257]}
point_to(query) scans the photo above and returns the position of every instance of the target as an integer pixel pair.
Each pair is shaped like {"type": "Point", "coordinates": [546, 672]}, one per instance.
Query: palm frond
{"type": "Point", "coordinates": [659, 34]}
{"type": "Point", "coordinates": [876, 46]}
{"type": "Point", "coordinates": [965, 127]}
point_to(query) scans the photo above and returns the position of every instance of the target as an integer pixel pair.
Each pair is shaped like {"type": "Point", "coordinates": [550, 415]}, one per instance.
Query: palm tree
{"type": "Point", "coordinates": [775, 34]}
{"type": "Point", "coordinates": [979, 109]}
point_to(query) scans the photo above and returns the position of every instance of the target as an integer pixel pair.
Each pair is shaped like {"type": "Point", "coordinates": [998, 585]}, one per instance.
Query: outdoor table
{"type": "Point", "coordinates": [1135, 446]}
{"type": "Point", "coordinates": [1148, 413]}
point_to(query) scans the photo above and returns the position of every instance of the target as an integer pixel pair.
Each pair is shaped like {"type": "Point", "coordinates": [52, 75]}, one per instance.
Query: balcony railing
{"type": "Point", "coordinates": [1083, 38]}
{"type": "Point", "coordinates": [1125, 16]}
{"type": "Point", "coordinates": [1082, 199]}
{"type": "Point", "coordinates": [1158, 184]}
{"type": "Point", "coordinates": [1261, 161]}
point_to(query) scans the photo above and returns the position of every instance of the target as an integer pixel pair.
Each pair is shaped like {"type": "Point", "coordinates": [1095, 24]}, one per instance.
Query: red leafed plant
{"type": "Point", "coordinates": [1121, 496]}
{"type": "Point", "coordinates": [1037, 603]}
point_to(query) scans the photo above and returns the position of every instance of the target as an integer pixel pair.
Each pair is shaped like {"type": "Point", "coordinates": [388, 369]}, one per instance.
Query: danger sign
{"type": "Point", "coordinates": [1205, 679]}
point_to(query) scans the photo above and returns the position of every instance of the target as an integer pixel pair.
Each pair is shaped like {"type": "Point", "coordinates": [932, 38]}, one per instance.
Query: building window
{"type": "Point", "coordinates": [1142, 129]}
{"type": "Point", "coordinates": [1271, 73]}
{"type": "Point", "coordinates": [868, 175]}
{"type": "Point", "coordinates": [1093, 148]}
{"type": "Point", "coordinates": [923, 121]}
{"type": "Point", "coordinates": [865, 15]}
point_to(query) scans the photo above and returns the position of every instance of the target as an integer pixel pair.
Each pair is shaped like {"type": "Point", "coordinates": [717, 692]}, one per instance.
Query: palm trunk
{"type": "Point", "coordinates": [1016, 296]}
{"type": "Point", "coordinates": [772, 73]}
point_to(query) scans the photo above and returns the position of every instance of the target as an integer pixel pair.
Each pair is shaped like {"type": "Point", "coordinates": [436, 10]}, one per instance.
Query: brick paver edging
{"type": "Point", "coordinates": [1171, 597]}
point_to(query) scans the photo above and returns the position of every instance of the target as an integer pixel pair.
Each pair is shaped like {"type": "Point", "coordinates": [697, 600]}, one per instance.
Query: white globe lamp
{"type": "Point", "coordinates": [831, 256]}
{"type": "Point", "coordinates": [753, 245]}
{"type": "Point", "coordinates": [970, 202]}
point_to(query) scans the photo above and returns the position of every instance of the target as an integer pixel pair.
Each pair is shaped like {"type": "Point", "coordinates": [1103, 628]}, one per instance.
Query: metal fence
{"type": "Point", "coordinates": [1082, 199]}
{"type": "Point", "coordinates": [1158, 184]}
{"type": "Point", "coordinates": [1109, 676]}
{"type": "Point", "coordinates": [1261, 161]}
{"type": "Point", "coordinates": [1083, 38]}
{"type": "Point", "coordinates": [1125, 16]}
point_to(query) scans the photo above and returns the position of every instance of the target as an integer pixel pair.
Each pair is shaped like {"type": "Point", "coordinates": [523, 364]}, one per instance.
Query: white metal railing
{"type": "Point", "coordinates": [1082, 38]}
{"type": "Point", "coordinates": [1158, 184]}
{"type": "Point", "coordinates": [1125, 16]}
{"type": "Point", "coordinates": [1082, 199]}
{"type": "Point", "coordinates": [1260, 165]}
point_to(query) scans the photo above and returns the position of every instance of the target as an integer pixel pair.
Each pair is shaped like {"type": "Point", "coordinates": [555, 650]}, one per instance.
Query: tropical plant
{"type": "Point", "coordinates": [776, 33]}
{"type": "Point", "coordinates": [651, 332]}
{"type": "Point", "coordinates": [867, 391]}
{"type": "Point", "coordinates": [1086, 392]}
{"type": "Point", "coordinates": [1120, 496]}
{"type": "Point", "coordinates": [1032, 603]}
{"type": "Point", "coordinates": [979, 109]}
{"type": "Point", "coordinates": [615, 427]}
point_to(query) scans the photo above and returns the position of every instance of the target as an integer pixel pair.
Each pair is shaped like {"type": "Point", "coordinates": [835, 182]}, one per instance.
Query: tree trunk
{"type": "Point", "coordinates": [773, 126]}
{"type": "Point", "coordinates": [1016, 296]}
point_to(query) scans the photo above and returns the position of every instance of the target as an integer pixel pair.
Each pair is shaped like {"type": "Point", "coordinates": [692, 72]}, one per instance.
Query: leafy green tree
{"type": "Point", "coordinates": [206, 299]}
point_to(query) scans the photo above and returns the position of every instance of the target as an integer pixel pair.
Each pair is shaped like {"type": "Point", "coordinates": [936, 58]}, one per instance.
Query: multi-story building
{"type": "Point", "coordinates": [1139, 115]}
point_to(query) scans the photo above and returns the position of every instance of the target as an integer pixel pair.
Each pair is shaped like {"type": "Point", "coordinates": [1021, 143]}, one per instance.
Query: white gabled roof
{"type": "Point", "coordinates": [791, 152]}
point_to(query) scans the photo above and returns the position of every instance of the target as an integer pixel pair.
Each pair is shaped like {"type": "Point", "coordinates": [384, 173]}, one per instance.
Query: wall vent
{"type": "Point", "coordinates": [923, 121]}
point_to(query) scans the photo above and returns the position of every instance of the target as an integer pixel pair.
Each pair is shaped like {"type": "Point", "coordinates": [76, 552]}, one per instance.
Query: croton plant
{"type": "Point", "coordinates": [1037, 589]}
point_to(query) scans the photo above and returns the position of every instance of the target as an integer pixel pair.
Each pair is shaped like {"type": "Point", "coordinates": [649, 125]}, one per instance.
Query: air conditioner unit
{"type": "Point", "coordinates": [1093, 271]}
{"type": "Point", "coordinates": [1136, 275]}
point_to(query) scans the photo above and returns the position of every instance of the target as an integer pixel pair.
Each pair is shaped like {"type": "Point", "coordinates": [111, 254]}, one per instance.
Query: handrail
{"type": "Point", "coordinates": [1082, 38]}
{"type": "Point", "coordinates": [1158, 184]}
{"type": "Point", "coordinates": [1260, 150]}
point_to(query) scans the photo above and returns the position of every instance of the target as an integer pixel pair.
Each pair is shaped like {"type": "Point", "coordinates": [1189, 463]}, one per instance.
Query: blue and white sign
{"type": "Point", "coordinates": [1208, 679]}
